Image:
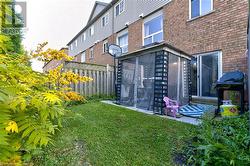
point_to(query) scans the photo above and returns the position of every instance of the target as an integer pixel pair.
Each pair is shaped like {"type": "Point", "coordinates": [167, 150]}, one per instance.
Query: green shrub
{"type": "Point", "coordinates": [100, 97]}
{"type": "Point", "coordinates": [221, 142]}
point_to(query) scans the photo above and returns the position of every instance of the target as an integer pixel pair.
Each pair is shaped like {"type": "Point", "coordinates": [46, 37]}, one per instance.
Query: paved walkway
{"type": "Point", "coordinates": [183, 119]}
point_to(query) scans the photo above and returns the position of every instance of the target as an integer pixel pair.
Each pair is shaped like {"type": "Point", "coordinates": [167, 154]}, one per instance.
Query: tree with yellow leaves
{"type": "Point", "coordinates": [31, 103]}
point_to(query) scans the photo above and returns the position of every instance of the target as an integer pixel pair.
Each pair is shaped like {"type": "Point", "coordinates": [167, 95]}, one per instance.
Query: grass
{"type": "Point", "coordinates": [101, 134]}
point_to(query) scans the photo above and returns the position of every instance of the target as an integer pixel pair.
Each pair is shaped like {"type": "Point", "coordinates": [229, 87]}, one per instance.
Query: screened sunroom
{"type": "Point", "coordinates": [146, 76]}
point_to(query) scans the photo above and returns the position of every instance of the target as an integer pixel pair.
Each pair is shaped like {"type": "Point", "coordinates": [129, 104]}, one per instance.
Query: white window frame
{"type": "Point", "coordinates": [76, 43]}
{"type": "Point", "coordinates": [125, 32]}
{"type": "Point", "coordinates": [84, 37]}
{"type": "Point", "coordinates": [190, 9]}
{"type": "Point", "coordinates": [91, 53]}
{"type": "Point", "coordinates": [104, 50]}
{"type": "Point", "coordinates": [106, 20]}
{"type": "Point", "coordinates": [83, 60]}
{"type": "Point", "coordinates": [148, 19]}
{"type": "Point", "coordinates": [92, 30]}
{"type": "Point", "coordinates": [199, 72]}
{"type": "Point", "coordinates": [119, 4]}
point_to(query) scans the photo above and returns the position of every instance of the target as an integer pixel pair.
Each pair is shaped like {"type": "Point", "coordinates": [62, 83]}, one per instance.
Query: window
{"type": "Point", "coordinates": [91, 31]}
{"type": "Point", "coordinates": [122, 41]}
{"type": "Point", "coordinates": [200, 7]}
{"type": "Point", "coordinates": [91, 53]}
{"type": "Point", "coordinates": [105, 46]}
{"type": "Point", "coordinates": [153, 30]}
{"type": "Point", "coordinates": [83, 57]}
{"type": "Point", "coordinates": [71, 47]}
{"type": "Point", "coordinates": [105, 20]}
{"type": "Point", "coordinates": [83, 37]}
{"type": "Point", "coordinates": [119, 8]}
{"type": "Point", "coordinates": [76, 43]}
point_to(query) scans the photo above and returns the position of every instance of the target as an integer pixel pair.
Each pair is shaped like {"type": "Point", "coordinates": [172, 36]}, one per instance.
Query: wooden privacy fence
{"type": "Point", "coordinates": [103, 78]}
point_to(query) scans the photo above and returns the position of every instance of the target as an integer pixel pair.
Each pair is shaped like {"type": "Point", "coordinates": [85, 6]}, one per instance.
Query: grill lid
{"type": "Point", "coordinates": [232, 77]}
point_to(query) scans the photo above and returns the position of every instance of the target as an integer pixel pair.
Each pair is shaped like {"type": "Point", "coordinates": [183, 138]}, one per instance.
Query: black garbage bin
{"type": "Point", "coordinates": [231, 81]}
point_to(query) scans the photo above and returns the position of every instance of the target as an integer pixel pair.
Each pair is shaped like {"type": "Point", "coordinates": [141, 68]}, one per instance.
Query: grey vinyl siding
{"type": "Point", "coordinates": [148, 6]}
{"type": "Point", "coordinates": [100, 33]}
{"type": "Point", "coordinates": [133, 9]}
{"type": "Point", "coordinates": [98, 9]}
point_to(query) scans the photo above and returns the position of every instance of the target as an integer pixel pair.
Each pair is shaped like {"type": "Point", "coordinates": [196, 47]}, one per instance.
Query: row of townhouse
{"type": "Point", "coordinates": [214, 32]}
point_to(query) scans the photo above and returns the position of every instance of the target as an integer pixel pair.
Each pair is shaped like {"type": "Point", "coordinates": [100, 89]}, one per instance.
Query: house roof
{"type": "Point", "coordinates": [91, 21]}
{"type": "Point", "coordinates": [157, 47]}
{"type": "Point", "coordinates": [103, 4]}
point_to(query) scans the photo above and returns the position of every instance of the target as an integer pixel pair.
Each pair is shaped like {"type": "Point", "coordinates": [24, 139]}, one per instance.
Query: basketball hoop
{"type": "Point", "coordinates": [115, 50]}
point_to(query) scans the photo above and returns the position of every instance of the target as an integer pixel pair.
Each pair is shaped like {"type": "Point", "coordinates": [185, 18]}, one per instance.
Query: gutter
{"type": "Point", "coordinates": [153, 48]}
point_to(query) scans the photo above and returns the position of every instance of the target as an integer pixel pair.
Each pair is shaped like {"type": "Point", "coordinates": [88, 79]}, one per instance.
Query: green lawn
{"type": "Point", "coordinates": [101, 134]}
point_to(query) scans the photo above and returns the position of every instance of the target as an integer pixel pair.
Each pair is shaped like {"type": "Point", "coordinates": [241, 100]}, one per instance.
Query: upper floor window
{"type": "Point", "coordinates": [122, 41]}
{"type": "Point", "coordinates": [83, 37]}
{"type": "Point", "coordinates": [91, 54]}
{"type": "Point", "coordinates": [105, 46]}
{"type": "Point", "coordinates": [200, 7]}
{"type": "Point", "coordinates": [76, 43]}
{"type": "Point", "coordinates": [91, 30]}
{"type": "Point", "coordinates": [153, 30]}
{"type": "Point", "coordinates": [71, 47]}
{"type": "Point", "coordinates": [105, 20]}
{"type": "Point", "coordinates": [120, 7]}
{"type": "Point", "coordinates": [83, 57]}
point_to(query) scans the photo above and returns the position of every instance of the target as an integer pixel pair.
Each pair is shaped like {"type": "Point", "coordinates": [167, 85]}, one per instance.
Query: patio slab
{"type": "Point", "coordinates": [183, 119]}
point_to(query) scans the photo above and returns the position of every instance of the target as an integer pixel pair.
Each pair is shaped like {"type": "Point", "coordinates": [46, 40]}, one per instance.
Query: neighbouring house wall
{"type": "Point", "coordinates": [100, 33]}
{"type": "Point", "coordinates": [224, 29]}
{"type": "Point", "coordinates": [133, 9]}
{"type": "Point", "coordinates": [99, 57]}
{"type": "Point", "coordinates": [99, 7]}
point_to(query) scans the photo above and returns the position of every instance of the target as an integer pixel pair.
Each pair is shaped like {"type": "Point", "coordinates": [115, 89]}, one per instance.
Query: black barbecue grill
{"type": "Point", "coordinates": [231, 81]}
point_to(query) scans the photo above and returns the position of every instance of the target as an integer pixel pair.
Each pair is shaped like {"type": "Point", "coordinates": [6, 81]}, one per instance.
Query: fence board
{"type": "Point", "coordinates": [103, 78]}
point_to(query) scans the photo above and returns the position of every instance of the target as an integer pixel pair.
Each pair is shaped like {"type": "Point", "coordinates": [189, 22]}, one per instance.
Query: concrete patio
{"type": "Point", "coordinates": [184, 119]}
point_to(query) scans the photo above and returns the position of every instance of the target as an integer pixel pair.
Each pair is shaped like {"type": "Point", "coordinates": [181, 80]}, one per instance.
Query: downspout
{"type": "Point", "coordinates": [248, 47]}
{"type": "Point", "coordinates": [114, 41]}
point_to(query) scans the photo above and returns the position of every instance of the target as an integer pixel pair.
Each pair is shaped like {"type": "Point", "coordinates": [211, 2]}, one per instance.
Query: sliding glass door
{"type": "Point", "coordinates": [209, 74]}
{"type": "Point", "coordinates": [207, 68]}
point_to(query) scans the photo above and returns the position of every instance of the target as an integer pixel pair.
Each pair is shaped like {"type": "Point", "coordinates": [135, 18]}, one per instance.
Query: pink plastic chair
{"type": "Point", "coordinates": [172, 107]}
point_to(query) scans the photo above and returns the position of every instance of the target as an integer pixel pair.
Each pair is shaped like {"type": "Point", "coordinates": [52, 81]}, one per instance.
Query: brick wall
{"type": "Point", "coordinates": [135, 36]}
{"type": "Point", "coordinates": [224, 29]}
